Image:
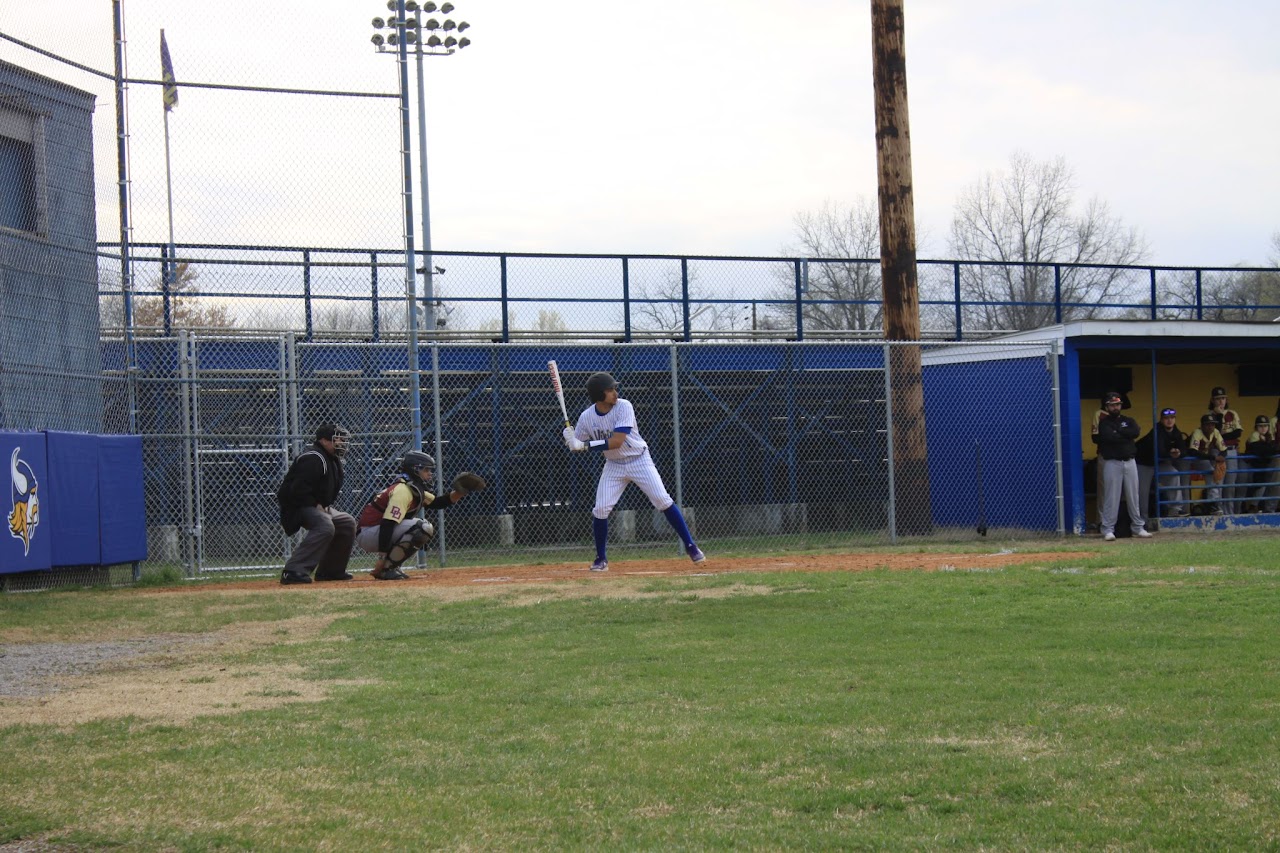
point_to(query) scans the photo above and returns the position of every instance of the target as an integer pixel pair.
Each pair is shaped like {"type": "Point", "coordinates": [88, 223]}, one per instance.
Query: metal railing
{"type": "Point", "coordinates": [325, 293]}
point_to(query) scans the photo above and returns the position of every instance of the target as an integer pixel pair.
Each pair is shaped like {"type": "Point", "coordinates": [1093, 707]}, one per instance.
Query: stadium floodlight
{"type": "Point", "coordinates": [410, 29]}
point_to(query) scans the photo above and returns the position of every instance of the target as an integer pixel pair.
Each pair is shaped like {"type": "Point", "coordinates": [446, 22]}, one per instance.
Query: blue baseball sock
{"type": "Point", "coordinates": [676, 517]}
{"type": "Point", "coordinates": [600, 531]}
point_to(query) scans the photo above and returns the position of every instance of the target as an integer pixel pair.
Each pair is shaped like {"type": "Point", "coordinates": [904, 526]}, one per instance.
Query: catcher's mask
{"type": "Point", "coordinates": [597, 384]}
{"type": "Point", "coordinates": [338, 434]}
{"type": "Point", "coordinates": [415, 460]}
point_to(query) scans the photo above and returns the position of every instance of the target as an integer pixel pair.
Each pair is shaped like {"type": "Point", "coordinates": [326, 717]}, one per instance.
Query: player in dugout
{"type": "Point", "coordinates": [1117, 446]}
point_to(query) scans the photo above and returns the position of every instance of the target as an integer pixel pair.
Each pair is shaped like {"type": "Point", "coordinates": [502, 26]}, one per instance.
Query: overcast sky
{"type": "Point", "coordinates": [697, 127]}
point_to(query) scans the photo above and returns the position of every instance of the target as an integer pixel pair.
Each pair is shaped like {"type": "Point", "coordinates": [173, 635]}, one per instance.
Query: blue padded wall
{"type": "Point", "coordinates": [72, 498]}
{"type": "Point", "coordinates": [122, 517]}
{"type": "Point", "coordinates": [29, 526]}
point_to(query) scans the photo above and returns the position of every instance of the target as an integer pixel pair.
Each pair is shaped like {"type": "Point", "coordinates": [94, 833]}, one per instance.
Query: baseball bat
{"type": "Point", "coordinates": [555, 384]}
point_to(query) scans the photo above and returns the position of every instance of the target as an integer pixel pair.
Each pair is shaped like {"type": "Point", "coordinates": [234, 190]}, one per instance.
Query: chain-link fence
{"type": "Point", "coordinates": [768, 445]}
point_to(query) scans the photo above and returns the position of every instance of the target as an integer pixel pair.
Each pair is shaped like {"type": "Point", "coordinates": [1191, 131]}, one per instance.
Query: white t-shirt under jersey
{"type": "Point", "coordinates": [593, 426]}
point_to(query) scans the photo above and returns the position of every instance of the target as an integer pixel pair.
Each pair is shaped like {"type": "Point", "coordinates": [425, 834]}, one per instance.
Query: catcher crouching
{"type": "Point", "coordinates": [388, 523]}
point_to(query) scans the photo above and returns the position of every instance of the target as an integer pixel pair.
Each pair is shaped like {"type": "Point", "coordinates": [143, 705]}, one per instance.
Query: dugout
{"type": "Point", "coordinates": [1155, 364]}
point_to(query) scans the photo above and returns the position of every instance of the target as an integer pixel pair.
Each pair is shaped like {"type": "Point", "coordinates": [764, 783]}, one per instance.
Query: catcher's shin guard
{"type": "Point", "coordinates": [409, 543]}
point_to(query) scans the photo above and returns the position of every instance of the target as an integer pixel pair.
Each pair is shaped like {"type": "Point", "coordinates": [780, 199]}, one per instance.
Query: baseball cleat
{"type": "Point", "coordinates": [1142, 534]}
{"type": "Point", "coordinates": [1108, 537]}
{"type": "Point", "coordinates": [287, 578]}
{"type": "Point", "coordinates": [695, 553]}
{"type": "Point", "coordinates": [600, 565]}
{"type": "Point", "coordinates": [389, 574]}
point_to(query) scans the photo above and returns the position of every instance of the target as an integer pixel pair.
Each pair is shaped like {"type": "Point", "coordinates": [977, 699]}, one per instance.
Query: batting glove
{"type": "Point", "coordinates": [571, 441]}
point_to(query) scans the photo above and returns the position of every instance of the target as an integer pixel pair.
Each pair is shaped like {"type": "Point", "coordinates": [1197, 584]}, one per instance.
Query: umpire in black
{"type": "Point", "coordinates": [306, 497]}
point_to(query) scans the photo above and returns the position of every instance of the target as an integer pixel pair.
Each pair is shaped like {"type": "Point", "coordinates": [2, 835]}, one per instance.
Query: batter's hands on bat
{"type": "Point", "coordinates": [571, 441]}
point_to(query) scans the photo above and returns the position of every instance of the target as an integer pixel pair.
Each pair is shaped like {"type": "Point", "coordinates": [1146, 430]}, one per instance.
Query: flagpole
{"type": "Point", "coordinates": [169, 267]}
{"type": "Point", "coordinates": [168, 180]}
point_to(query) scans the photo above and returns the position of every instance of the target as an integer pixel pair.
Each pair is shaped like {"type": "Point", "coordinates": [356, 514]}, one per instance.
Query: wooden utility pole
{"type": "Point", "coordinates": [913, 514]}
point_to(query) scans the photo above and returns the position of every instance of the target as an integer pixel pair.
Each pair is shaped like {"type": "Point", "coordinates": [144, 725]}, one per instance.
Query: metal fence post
{"type": "Point", "coordinates": [284, 396]}
{"type": "Point", "coordinates": [955, 278]}
{"type": "Point", "coordinates": [800, 268]}
{"type": "Point", "coordinates": [888, 436]}
{"type": "Point", "coordinates": [674, 359]}
{"type": "Point", "coordinates": [1057, 435]}
{"type": "Point", "coordinates": [185, 389]}
{"type": "Point", "coordinates": [1057, 293]}
{"type": "Point", "coordinates": [166, 289]}
{"type": "Point", "coordinates": [375, 308]}
{"type": "Point", "coordinates": [684, 296]}
{"type": "Point", "coordinates": [626, 300]}
{"type": "Point", "coordinates": [306, 293]}
{"type": "Point", "coordinates": [198, 479]}
{"type": "Point", "coordinates": [1154, 298]}
{"type": "Point", "coordinates": [439, 454]}
{"type": "Point", "coordinates": [506, 328]}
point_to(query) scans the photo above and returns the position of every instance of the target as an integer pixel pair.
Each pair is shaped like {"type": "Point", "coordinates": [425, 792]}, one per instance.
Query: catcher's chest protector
{"type": "Point", "coordinates": [382, 498]}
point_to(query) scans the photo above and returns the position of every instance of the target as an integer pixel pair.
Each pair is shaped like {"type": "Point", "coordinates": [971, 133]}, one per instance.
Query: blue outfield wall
{"type": "Point", "coordinates": [997, 409]}
{"type": "Point", "coordinates": [75, 499]}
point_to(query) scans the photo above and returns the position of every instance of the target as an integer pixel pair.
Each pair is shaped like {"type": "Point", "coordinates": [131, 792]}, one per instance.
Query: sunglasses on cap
{"type": "Point", "coordinates": [1167, 413]}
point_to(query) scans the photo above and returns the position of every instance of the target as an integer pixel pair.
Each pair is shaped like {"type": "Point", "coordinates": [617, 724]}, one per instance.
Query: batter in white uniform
{"type": "Point", "coordinates": [608, 426]}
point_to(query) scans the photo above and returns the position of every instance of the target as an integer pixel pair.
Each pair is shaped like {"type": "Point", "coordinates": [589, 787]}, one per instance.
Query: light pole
{"type": "Point", "coordinates": [434, 44]}
{"type": "Point", "coordinates": [400, 38]}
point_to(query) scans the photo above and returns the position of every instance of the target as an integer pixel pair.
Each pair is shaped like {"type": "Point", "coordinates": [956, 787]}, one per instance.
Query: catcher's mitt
{"type": "Point", "coordinates": [467, 482]}
{"type": "Point", "coordinates": [1219, 469]}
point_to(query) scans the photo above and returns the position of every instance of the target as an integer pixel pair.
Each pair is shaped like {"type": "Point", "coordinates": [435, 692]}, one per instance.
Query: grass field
{"type": "Point", "coordinates": [1123, 696]}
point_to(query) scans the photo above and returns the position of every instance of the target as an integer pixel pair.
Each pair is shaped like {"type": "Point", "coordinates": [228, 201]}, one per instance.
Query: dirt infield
{"type": "Point", "coordinates": [672, 567]}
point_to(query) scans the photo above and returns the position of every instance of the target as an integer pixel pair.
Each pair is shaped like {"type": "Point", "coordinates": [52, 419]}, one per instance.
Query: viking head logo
{"type": "Point", "coordinates": [25, 517]}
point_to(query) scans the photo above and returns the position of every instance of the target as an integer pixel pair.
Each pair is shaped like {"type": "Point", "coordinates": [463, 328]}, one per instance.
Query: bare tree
{"type": "Point", "coordinates": [1018, 224]}
{"type": "Point", "coordinates": [187, 308]}
{"type": "Point", "coordinates": [347, 317]}
{"type": "Point", "coordinates": [844, 288]}
{"type": "Point", "coordinates": [549, 326]}
{"type": "Point", "coordinates": [659, 306]}
{"type": "Point", "coordinates": [1248, 295]}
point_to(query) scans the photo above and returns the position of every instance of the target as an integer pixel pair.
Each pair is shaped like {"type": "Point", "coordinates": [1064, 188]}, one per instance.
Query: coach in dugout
{"type": "Point", "coordinates": [306, 498]}
{"type": "Point", "coordinates": [1117, 446]}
